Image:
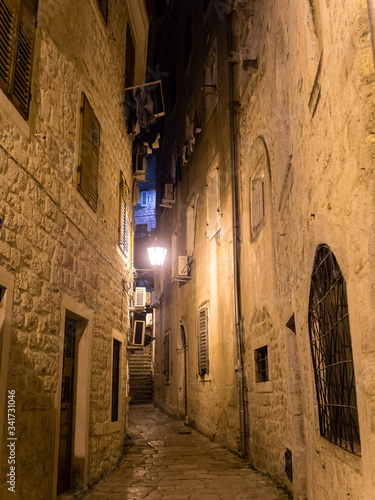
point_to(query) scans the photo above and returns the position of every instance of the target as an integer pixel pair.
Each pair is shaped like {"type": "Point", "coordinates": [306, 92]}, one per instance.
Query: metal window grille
{"type": "Point", "coordinates": [125, 230]}
{"type": "Point", "coordinates": [88, 169]}
{"type": "Point", "coordinates": [261, 364]}
{"type": "Point", "coordinates": [166, 356]}
{"type": "Point", "coordinates": [17, 34]}
{"type": "Point", "coordinates": [331, 351]}
{"type": "Point", "coordinates": [115, 379]}
{"type": "Point", "coordinates": [203, 352]}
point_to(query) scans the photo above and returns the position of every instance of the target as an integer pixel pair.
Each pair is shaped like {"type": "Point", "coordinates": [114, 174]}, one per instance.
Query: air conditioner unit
{"type": "Point", "coordinates": [140, 297]}
{"type": "Point", "coordinates": [155, 299]}
{"type": "Point", "coordinates": [139, 333]}
{"type": "Point", "coordinates": [168, 198]}
{"type": "Point", "coordinates": [182, 268]}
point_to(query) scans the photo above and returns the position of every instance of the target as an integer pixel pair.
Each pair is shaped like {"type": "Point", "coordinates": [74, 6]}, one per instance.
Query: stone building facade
{"type": "Point", "coordinates": [65, 241]}
{"type": "Point", "coordinates": [268, 345]}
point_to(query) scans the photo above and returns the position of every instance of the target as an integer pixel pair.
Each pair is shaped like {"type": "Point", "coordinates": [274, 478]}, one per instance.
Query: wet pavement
{"type": "Point", "coordinates": [167, 460]}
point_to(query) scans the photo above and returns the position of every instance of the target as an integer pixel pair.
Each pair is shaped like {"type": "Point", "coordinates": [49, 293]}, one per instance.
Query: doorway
{"type": "Point", "coordinates": [67, 405]}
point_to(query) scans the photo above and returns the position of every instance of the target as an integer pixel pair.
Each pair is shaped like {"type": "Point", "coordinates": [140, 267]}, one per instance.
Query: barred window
{"type": "Point", "coordinates": [88, 169]}
{"type": "Point", "coordinates": [125, 230]}
{"type": "Point", "coordinates": [331, 350]}
{"type": "Point", "coordinates": [261, 364]}
{"type": "Point", "coordinates": [17, 34]}
{"type": "Point", "coordinates": [203, 353]}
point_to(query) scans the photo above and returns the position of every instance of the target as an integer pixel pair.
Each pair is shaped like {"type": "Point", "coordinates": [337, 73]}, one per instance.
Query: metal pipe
{"type": "Point", "coordinates": [371, 15]}
{"type": "Point", "coordinates": [233, 105]}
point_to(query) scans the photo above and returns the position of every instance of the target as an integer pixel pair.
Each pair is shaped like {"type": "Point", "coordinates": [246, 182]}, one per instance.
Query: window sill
{"type": "Point", "coordinates": [114, 427]}
{"type": "Point", "coordinates": [76, 194]}
{"type": "Point", "coordinates": [264, 386]}
{"type": "Point", "coordinates": [11, 112]}
{"type": "Point", "coordinates": [122, 255]}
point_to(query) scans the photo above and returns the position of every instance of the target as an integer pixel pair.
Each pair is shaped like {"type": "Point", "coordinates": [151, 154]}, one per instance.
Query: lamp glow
{"type": "Point", "coordinates": [157, 255]}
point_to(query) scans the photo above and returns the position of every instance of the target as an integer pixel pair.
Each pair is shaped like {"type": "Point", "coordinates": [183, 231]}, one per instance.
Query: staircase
{"type": "Point", "coordinates": [141, 384]}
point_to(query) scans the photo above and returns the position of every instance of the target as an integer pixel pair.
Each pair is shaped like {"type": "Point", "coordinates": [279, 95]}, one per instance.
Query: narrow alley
{"type": "Point", "coordinates": [166, 460]}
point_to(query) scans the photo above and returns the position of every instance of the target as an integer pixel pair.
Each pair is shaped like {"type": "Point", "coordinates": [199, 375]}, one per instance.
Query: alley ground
{"type": "Point", "coordinates": [166, 460]}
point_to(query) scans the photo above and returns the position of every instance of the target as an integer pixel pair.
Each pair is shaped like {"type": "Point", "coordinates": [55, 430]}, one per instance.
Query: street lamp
{"type": "Point", "coordinates": [156, 255]}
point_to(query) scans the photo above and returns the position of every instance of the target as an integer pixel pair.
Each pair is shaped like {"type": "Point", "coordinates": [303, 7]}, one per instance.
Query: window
{"type": "Point", "coordinates": [115, 379]}
{"type": "Point", "coordinates": [17, 34]}
{"type": "Point", "coordinates": [257, 202]}
{"type": "Point", "coordinates": [261, 364]}
{"type": "Point", "coordinates": [125, 230]}
{"type": "Point", "coordinates": [103, 7]}
{"type": "Point", "coordinates": [88, 169]}
{"type": "Point", "coordinates": [213, 202]}
{"type": "Point", "coordinates": [129, 59]}
{"type": "Point", "coordinates": [203, 353]}
{"type": "Point", "coordinates": [331, 351]}
{"type": "Point", "coordinates": [188, 41]}
{"type": "Point", "coordinates": [143, 199]}
{"type": "Point", "coordinates": [210, 81]}
{"type": "Point", "coordinates": [166, 356]}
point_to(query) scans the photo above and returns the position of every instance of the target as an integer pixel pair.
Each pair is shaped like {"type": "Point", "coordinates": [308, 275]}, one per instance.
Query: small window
{"type": "Point", "coordinates": [166, 356]}
{"type": "Point", "coordinates": [261, 364]}
{"type": "Point", "coordinates": [103, 7]}
{"type": "Point", "coordinates": [188, 41]}
{"type": "Point", "coordinates": [331, 349]}
{"type": "Point", "coordinates": [143, 199]}
{"type": "Point", "coordinates": [126, 224]}
{"type": "Point", "coordinates": [17, 35]}
{"type": "Point", "coordinates": [257, 202]}
{"type": "Point", "coordinates": [141, 228]}
{"type": "Point", "coordinates": [115, 379]}
{"type": "Point", "coordinates": [88, 169]}
{"type": "Point", "coordinates": [213, 202]}
{"type": "Point", "coordinates": [129, 59]}
{"type": "Point", "coordinates": [203, 352]}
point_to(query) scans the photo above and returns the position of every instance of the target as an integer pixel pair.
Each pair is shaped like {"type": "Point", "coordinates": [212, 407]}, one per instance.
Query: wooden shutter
{"type": "Point", "coordinates": [17, 33]}
{"type": "Point", "coordinates": [125, 229]}
{"type": "Point", "coordinates": [203, 358]}
{"type": "Point", "coordinates": [8, 33]}
{"type": "Point", "coordinates": [89, 156]}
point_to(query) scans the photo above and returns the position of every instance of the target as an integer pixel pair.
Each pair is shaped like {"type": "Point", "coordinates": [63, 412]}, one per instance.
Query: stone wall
{"type": "Point", "coordinates": [64, 258]}
{"type": "Point", "coordinates": [305, 132]}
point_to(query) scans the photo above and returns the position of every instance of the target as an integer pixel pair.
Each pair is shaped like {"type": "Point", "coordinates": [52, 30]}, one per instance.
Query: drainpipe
{"type": "Point", "coordinates": [371, 15]}
{"type": "Point", "coordinates": [234, 68]}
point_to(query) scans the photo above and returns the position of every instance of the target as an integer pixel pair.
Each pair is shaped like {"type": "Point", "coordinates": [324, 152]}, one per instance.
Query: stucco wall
{"type": "Point", "coordinates": [64, 257]}
{"type": "Point", "coordinates": [310, 116]}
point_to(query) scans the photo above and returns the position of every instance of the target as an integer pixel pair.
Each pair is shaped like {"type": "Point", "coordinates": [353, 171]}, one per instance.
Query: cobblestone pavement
{"type": "Point", "coordinates": [166, 460]}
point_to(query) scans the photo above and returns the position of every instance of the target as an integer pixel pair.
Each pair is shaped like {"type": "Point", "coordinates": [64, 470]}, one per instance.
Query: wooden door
{"type": "Point", "coordinates": [66, 412]}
